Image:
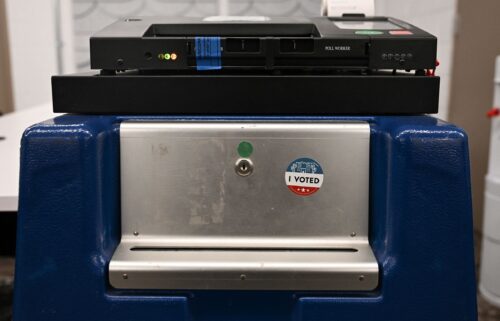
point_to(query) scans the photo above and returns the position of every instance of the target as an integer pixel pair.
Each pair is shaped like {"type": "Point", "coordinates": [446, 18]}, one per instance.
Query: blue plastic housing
{"type": "Point", "coordinates": [420, 230]}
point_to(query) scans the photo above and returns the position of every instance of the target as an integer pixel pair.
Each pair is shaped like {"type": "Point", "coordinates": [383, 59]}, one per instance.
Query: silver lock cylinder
{"type": "Point", "coordinates": [243, 167]}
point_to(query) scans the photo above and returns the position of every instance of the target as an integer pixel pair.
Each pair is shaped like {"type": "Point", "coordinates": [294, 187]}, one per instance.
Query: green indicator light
{"type": "Point", "coordinates": [167, 56]}
{"type": "Point", "coordinates": [161, 57]}
{"type": "Point", "coordinates": [245, 149]}
{"type": "Point", "coordinates": [369, 32]}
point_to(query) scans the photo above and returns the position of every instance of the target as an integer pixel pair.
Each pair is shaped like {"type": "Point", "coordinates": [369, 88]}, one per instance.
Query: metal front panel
{"type": "Point", "coordinates": [179, 183]}
{"type": "Point", "coordinates": [245, 270]}
{"type": "Point", "coordinates": [193, 219]}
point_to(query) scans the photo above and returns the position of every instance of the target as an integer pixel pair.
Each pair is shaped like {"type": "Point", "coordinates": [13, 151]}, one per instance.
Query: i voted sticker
{"type": "Point", "coordinates": [304, 176]}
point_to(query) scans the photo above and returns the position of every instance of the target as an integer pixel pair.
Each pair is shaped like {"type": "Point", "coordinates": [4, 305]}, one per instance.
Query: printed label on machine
{"type": "Point", "coordinates": [304, 176]}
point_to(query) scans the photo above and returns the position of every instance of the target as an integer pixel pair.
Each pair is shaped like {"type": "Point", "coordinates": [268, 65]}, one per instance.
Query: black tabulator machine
{"type": "Point", "coordinates": [247, 168]}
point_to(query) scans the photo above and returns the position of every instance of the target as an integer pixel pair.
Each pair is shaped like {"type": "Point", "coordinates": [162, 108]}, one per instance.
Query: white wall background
{"type": "Point", "coordinates": [32, 50]}
{"type": "Point", "coordinates": [50, 37]}
{"type": "Point", "coordinates": [33, 36]}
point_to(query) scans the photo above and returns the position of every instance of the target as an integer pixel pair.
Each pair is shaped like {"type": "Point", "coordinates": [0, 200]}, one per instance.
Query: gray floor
{"type": "Point", "coordinates": [486, 311]}
{"type": "Point", "coordinates": [6, 286]}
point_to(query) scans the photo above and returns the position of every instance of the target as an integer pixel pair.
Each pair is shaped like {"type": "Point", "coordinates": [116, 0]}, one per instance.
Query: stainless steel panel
{"type": "Point", "coordinates": [181, 189]}
{"type": "Point", "coordinates": [179, 182]}
{"type": "Point", "coordinates": [244, 270]}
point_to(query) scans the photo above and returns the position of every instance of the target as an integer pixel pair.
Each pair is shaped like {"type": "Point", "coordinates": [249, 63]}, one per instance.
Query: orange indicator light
{"type": "Point", "coordinates": [173, 56]}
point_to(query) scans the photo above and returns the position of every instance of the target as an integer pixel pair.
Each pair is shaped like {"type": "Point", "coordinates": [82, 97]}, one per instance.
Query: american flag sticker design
{"type": "Point", "coordinates": [304, 176]}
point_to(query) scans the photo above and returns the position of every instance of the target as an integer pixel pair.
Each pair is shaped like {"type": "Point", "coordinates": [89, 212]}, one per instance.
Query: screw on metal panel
{"type": "Point", "coordinates": [136, 233]}
{"type": "Point", "coordinates": [353, 234]}
{"type": "Point", "coordinates": [125, 276]}
{"type": "Point", "coordinates": [361, 278]}
{"type": "Point", "coordinates": [243, 277]}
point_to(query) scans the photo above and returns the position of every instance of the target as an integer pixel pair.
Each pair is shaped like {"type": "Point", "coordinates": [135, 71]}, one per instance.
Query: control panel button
{"type": "Point", "coordinates": [242, 45]}
{"type": "Point", "coordinates": [400, 32]}
{"type": "Point", "coordinates": [369, 32]}
{"type": "Point", "coordinates": [296, 45]}
{"type": "Point", "coordinates": [401, 57]}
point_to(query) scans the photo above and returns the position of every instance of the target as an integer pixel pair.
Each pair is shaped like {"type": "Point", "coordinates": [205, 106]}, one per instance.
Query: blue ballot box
{"type": "Point", "coordinates": [244, 218]}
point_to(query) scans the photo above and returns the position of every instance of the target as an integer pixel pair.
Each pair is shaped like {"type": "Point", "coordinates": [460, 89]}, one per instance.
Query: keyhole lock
{"type": "Point", "coordinates": [243, 167]}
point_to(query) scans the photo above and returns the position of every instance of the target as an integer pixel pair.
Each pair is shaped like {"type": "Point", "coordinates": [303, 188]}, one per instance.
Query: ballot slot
{"type": "Point", "coordinates": [284, 204]}
{"type": "Point", "coordinates": [249, 249]}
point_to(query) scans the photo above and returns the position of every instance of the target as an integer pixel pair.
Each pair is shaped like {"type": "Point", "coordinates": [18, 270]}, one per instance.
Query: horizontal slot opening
{"type": "Point", "coordinates": [230, 30]}
{"type": "Point", "coordinates": [244, 249]}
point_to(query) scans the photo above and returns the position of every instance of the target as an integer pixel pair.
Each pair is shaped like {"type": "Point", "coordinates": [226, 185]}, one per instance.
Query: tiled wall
{"type": "Point", "coordinates": [436, 16]}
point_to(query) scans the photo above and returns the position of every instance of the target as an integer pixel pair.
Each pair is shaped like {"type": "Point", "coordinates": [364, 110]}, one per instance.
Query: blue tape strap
{"type": "Point", "coordinates": [208, 53]}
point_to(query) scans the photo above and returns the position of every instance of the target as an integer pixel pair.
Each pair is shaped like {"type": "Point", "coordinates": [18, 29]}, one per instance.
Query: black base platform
{"type": "Point", "coordinates": [251, 94]}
